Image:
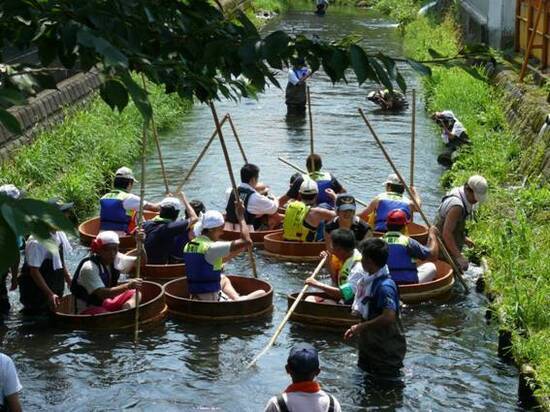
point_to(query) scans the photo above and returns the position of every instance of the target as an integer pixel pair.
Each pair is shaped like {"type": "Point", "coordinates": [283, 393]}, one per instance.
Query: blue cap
{"type": "Point", "coordinates": [303, 358]}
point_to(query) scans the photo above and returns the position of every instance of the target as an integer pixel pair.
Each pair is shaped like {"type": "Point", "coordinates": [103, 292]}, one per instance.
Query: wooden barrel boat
{"type": "Point", "coordinates": [330, 316]}
{"type": "Point", "coordinates": [416, 231]}
{"type": "Point", "coordinates": [152, 309]}
{"type": "Point", "coordinates": [182, 307]}
{"type": "Point", "coordinates": [275, 246]}
{"type": "Point", "coordinates": [163, 273]}
{"type": "Point", "coordinates": [89, 229]}
{"type": "Point", "coordinates": [257, 236]}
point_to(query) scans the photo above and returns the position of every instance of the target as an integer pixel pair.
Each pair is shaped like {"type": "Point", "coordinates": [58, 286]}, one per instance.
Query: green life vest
{"type": "Point", "coordinates": [293, 223]}
{"type": "Point", "coordinates": [343, 274]}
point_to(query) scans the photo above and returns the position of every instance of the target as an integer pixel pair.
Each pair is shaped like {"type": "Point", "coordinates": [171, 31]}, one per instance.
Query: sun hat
{"type": "Point", "coordinates": [172, 202]}
{"type": "Point", "coordinates": [345, 202]}
{"type": "Point", "coordinates": [107, 237]}
{"type": "Point", "coordinates": [11, 191]}
{"type": "Point", "coordinates": [479, 186]}
{"type": "Point", "coordinates": [303, 358]}
{"type": "Point", "coordinates": [125, 173]}
{"type": "Point", "coordinates": [392, 179]}
{"type": "Point", "coordinates": [209, 220]}
{"type": "Point", "coordinates": [309, 187]}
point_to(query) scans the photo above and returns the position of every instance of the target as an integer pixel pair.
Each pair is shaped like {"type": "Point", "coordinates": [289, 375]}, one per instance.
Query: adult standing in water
{"type": "Point", "coordinates": [44, 273]}
{"type": "Point", "coordinates": [455, 208]}
{"type": "Point", "coordinates": [382, 343]}
{"type": "Point", "coordinates": [321, 7]}
{"type": "Point", "coordinates": [295, 93]}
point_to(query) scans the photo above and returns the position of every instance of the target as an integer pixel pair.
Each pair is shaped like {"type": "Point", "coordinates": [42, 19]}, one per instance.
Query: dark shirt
{"type": "Point", "coordinates": [164, 242]}
{"type": "Point", "coordinates": [418, 250]}
{"type": "Point", "coordinates": [359, 228]}
{"type": "Point", "coordinates": [294, 190]}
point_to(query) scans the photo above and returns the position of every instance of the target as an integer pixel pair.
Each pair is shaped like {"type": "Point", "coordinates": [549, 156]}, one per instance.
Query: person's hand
{"type": "Point", "coordinates": [462, 262]}
{"type": "Point", "coordinates": [434, 231]}
{"type": "Point", "coordinates": [53, 301]}
{"type": "Point", "coordinates": [68, 282]}
{"type": "Point", "coordinates": [352, 331]}
{"type": "Point", "coordinates": [181, 194]}
{"type": "Point", "coordinates": [413, 190]}
{"type": "Point", "coordinates": [311, 281]}
{"type": "Point", "coordinates": [331, 193]}
{"type": "Point", "coordinates": [134, 284]}
{"type": "Point", "coordinates": [323, 254]}
{"type": "Point", "coordinates": [469, 242]}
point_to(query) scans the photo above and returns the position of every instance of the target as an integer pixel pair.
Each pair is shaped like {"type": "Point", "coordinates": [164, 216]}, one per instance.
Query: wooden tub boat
{"type": "Point", "coordinates": [275, 246]}
{"type": "Point", "coordinates": [182, 307]}
{"type": "Point", "coordinates": [163, 273]}
{"type": "Point", "coordinates": [257, 236]}
{"type": "Point", "coordinates": [329, 316]}
{"type": "Point", "coordinates": [152, 309]}
{"type": "Point", "coordinates": [89, 229]}
{"type": "Point", "coordinates": [416, 231]}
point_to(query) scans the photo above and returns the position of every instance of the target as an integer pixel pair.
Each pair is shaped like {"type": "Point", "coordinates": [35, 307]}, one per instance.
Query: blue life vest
{"type": "Point", "coordinates": [112, 215]}
{"type": "Point", "coordinates": [324, 181]}
{"type": "Point", "coordinates": [109, 280]}
{"type": "Point", "coordinates": [402, 266]}
{"type": "Point", "coordinates": [386, 203]}
{"type": "Point", "coordinates": [202, 277]}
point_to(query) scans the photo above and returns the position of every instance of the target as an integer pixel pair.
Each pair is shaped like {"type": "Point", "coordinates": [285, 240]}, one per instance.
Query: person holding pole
{"type": "Point", "coordinates": [295, 93]}
{"type": "Point", "coordinates": [455, 208]}
{"type": "Point", "coordinates": [205, 254]}
{"type": "Point", "coordinates": [382, 343]}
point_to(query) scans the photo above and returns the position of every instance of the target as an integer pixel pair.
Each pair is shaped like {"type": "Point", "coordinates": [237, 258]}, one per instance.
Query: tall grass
{"type": "Point", "coordinates": [75, 160]}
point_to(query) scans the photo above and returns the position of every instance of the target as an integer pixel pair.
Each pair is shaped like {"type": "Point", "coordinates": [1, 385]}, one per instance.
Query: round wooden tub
{"type": "Point", "coordinates": [182, 307]}
{"type": "Point", "coordinates": [416, 231]}
{"type": "Point", "coordinates": [152, 309]}
{"type": "Point", "coordinates": [437, 289]}
{"type": "Point", "coordinates": [322, 315]}
{"type": "Point", "coordinates": [257, 236]}
{"type": "Point", "coordinates": [163, 273]}
{"type": "Point", "coordinates": [275, 246]}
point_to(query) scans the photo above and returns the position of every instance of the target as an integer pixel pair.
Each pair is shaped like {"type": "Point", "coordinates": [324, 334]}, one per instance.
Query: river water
{"type": "Point", "coordinates": [451, 362]}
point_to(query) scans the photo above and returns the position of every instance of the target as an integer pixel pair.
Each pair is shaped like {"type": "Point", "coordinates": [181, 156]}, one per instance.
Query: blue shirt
{"type": "Point", "coordinates": [418, 250]}
{"type": "Point", "coordinates": [386, 296]}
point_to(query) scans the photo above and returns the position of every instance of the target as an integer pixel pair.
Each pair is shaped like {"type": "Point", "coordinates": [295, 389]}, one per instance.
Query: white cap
{"type": "Point", "coordinates": [11, 191]}
{"type": "Point", "coordinates": [479, 186]}
{"type": "Point", "coordinates": [173, 202]}
{"type": "Point", "coordinates": [392, 179]}
{"type": "Point", "coordinates": [309, 187]}
{"type": "Point", "coordinates": [208, 220]}
{"type": "Point", "coordinates": [108, 237]}
{"type": "Point", "coordinates": [448, 114]}
{"type": "Point", "coordinates": [126, 173]}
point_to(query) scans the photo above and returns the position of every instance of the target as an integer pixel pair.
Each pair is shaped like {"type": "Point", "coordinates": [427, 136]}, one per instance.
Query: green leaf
{"type": "Point", "coordinates": [139, 96]}
{"type": "Point", "coordinates": [114, 94]}
{"type": "Point", "coordinates": [360, 64]}
{"type": "Point", "coordinates": [389, 64]}
{"type": "Point", "coordinates": [382, 75]}
{"type": "Point", "coordinates": [11, 97]}
{"type": "Point", "coordinates": [111, 55]}
{"type": "Point", "coordinates": [435, 54]}
{"type": "Point", "coordinates": [400, 81]}
{"type": "Point", "coordinates": [10, 122]}
{"type": "Point", "coordinates": [275, 43]}
{"type": "Point", "coordinates": [8, 246]}
{"type": "Point", "coordinates": [420, 68]}
{"type": "Point", "coordinates": [15, 218]}
{"type": "Point", "coordinates": [43, 213]}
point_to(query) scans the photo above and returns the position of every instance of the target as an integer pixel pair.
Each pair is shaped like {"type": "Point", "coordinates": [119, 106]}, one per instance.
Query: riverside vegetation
{"type": "Point", "coordinates": [513, 227]}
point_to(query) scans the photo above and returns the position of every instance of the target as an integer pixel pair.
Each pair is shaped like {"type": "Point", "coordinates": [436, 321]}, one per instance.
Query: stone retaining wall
{"type": "Point", "coordinates": [46, 109]}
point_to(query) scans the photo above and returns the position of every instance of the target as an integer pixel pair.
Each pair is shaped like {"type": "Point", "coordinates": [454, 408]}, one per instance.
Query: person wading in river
{"type": "Point", "coordinates": [205, 254]}
{"type": "Point", "coordinates": [404, 251]}
{"type": "Point", "coordinates": [377, 211]}
{"type": "Point", "coordinates": [388, 100]}
{"type": "Point", "coordinates": [119, 208]}
{"type": "Point", "coordinates": [95, 283]}
{"type": "Point", "coordinates": [301, 218]}
{"type": "Point", "coordinates": [295, 93]}
{"type": "Point", "coordinates": [382, 343]}
{"type": "Point", "coordinates": [10, 387]}
{"type": "Point", "coordinates": [256, 205]}
{"type": "Point", "coordinates": [44, 274]}
{"type": "Point", "coordinates": [305, 394]}
{"type": "Point", "coordinates": [342, 246]}
{"type": "Point", "coordinates": [455, 208]}
{"type": "Point", "coordinates": [165, 236]}
{"type": "Point", "coordinates": [324, 181]}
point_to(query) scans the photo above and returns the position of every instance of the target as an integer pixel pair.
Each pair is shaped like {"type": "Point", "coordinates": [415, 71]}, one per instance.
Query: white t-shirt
{"type": "Point", "coordinates": [9, 381]}
{"type": "Point", "coordinates": [219, 249]}
{"type": "Point", "coordinates": [304, 402]}
{"type": "Point", "coordinates": [90, 278]}
{"type": "Point", "coordinates": [132, 202]}
{"type": "Point", "coordinates": [36, 253]}
{"type": "Point", "coordinates": [295, 79]}
{"type": "Point", "coordinates": [257, 204]}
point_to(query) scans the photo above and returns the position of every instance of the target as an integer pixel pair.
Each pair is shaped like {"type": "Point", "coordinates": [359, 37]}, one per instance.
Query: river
{"type": "Point", "coordinates": [451, 362]}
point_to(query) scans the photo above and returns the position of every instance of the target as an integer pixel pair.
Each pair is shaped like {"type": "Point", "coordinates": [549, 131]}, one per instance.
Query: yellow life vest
{"type": "Point", "coordinates": [293, 223]}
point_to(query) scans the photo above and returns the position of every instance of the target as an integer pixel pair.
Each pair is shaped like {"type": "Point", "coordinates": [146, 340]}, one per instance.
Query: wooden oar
{"type": "Point", "coordinates": [287, 316]}
{"type": "Point", "coordinates": [413, 135]}
{"type": "Point", "coordinates": [286, 162]}
{"type": "Point", "coordinates": [311, 146]}
{"type": "Point", "coordinates": [201, 155]}
{"type": "Point", "coordinates": [236, 137]}
{"type": "Point", "coordinates": [232, 178]}
{"type": "Point", "coordinates": [456, 268]}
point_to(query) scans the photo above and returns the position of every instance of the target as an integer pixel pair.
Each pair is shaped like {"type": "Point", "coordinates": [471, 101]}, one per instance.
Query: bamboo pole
{"type": "Point", "coordinates": [201, 155]}
{"type": "Point", "coordinates": [456, 268]}
{"type": "Point", "coordinates": [287, 316]}
{"type": "Point", "coordinates": [413, 135]}
{"type": "Point", "coordinates": [139, 240]}
{"type": "Point", "coordinates": [311, 145]}
{"type": "Point", "coordinates": [237, 137]}
{"type": "Point", "coordinates": [286, 162]}
{"type": "Point", "coordinates": [157, 143]}
{"type": "Point", "coordinates": [232, 178]}
{"type": "Point", "coordinates": [532, 36]}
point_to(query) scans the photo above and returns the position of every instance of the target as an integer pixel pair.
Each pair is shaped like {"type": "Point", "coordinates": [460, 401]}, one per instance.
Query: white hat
{"type": "Point", "coordinates": [392, 179]}
{"type": "Point", "coordinates": [108, 237]}
{"type": "Point", "coordinates": [126, 173]}
{"type": "Point", "coordinates": [173, 202]}
{"type": "Point", "coordinates": [479, 186]}
{"type": "Point", "coordinates": [208, 220]}
{"type": "Point", "coordinates": [11, 191]}
{"type": "Point", "coordinates": [448, 115]}
{"type": "Point", "coordinates": [309, 187]}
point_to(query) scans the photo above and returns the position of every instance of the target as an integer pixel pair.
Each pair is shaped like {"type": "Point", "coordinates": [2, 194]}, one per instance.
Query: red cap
{"type": "Point", "coordinates": [397, 217]}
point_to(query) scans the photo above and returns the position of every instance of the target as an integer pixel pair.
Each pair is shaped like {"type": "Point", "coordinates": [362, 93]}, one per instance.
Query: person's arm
{"type": "Point", "coordinates": [337, 186]}
{"type": "Point", "coordinates": [190, 211]}
{"type": "Point", "coordinates": [387, 317]}
{"type": "Point", "coordinates": [14, 405]}
{"type": "Point", "coordinates": [37, 278]}
{"type": "Point", "coordinates": [332, 291]}
{"type": "Point", "coordinates": [262, 205]}
{"type": "Point", "coordinates": [317, 215]}
{"type": "Point", "coordinates": [105, 293]}
{"type": "Point", "coordinates": [14, 270]}
{"type": "Point", "coordinates": [292, 193]}
{"type": "Point", "coordinates": [418, 200]}
{"type": "Point", "coordinates": [11, 386]}
{"type": "Point", "coordinates": [370, 208]}
{"type": "Point", "coordinates": [433, 244]}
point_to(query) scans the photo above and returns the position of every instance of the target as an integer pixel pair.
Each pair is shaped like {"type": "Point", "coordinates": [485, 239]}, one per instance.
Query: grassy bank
{"type": "Point", "coordinates": [76, 159]}
{"type": "Point", "coordinates": [255, 7]}
{"type": "Point", "coordinates": [513, 228]}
